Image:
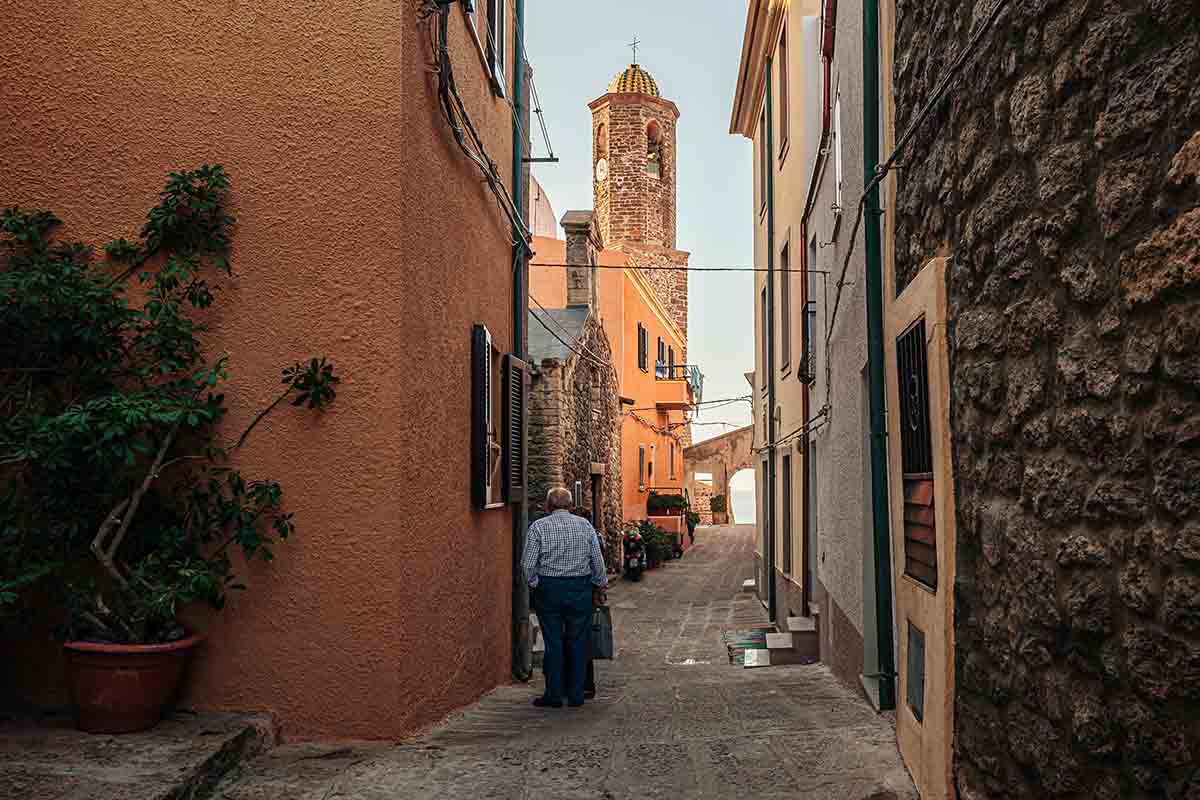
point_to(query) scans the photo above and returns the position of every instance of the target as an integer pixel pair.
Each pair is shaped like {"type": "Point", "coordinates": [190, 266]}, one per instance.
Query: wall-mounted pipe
{"type": "Point", "coordinates": [875, 358]}
{"type": "Point", "coordinates": [522, 662]}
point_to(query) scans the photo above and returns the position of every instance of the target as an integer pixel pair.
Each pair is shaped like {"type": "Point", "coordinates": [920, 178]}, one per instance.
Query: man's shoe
{"type": "Point", "coordinates": [589, 694]}
{"type": "Point", "coordinates": [542, 702]}
{"type": "Point", "coordinates": [575, 705]}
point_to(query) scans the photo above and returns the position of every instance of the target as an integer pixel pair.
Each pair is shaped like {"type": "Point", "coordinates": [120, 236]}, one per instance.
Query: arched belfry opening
{"type": "Point", "coordinates": [654, 149]}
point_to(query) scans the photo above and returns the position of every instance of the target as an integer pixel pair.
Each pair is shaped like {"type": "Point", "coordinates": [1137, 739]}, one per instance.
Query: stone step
{"type": "Point", "coordinates": [185, 755]}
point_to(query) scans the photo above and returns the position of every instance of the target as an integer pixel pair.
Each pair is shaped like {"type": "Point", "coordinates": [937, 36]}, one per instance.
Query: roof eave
{"type": "Point", "coordinates": [764, 20]}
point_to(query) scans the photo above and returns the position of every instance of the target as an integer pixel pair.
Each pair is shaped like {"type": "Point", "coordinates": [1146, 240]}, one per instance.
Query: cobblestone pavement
{"type": "Point", "coordinates": [673, 718]}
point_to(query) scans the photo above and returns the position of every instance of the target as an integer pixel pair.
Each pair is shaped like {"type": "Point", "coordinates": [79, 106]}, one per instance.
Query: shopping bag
{"type": "Point", "coordinates": [602, 633]}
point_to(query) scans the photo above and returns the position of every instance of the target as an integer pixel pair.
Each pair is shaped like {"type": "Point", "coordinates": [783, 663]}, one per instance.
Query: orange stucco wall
{"type": "Point", "coordinates": [643, 389]}
{"type": "Point", "coordinates": [391, 606]}
{"type": "Point", "coordinates": [624, 298]}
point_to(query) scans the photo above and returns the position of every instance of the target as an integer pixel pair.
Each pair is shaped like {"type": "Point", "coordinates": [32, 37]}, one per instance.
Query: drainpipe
{"type": "Point", "coordinates": [875, 357]}
{"type": "Point", "coordinates": [769, 143]}
{"type": "Point", "coordinates": [522, 662]}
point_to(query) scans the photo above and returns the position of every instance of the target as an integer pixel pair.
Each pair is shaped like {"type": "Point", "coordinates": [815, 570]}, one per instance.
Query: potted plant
{"type": "Point", "coordinates": [718, 507]}
{"type": "Point", "coordinates": [112, 460]}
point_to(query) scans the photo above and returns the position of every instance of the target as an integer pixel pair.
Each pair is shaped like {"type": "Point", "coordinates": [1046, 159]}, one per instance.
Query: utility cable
{"type": "Point", "coordinates": [679, 269]}
{"type": "Point", "coordinates": [583, 353]}
{"type": "Point", "coordinates": [882, 170]}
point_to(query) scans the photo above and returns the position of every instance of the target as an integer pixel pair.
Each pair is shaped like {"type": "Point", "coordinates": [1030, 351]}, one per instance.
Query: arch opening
{"type": "Point", "coordinates": [743, 497]}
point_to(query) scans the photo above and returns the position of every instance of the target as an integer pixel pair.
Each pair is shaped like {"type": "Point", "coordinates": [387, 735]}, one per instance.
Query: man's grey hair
{"type": "Point", "coordinates": [559, 497]}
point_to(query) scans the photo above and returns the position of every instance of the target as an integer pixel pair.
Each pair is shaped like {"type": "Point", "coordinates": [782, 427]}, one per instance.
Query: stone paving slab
{"type": "Point", "coordinates": [663, 726]}
{"type": "Point", "coordinates": [184, 756]}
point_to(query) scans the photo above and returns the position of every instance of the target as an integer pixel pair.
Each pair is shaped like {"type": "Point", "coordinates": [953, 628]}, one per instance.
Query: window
{"type": "Point", "coordinates": [764, 162]}
{"type": "Point", "coordinates": [809, 332]}
{"type": "Point", "coordinates": [763, 337]}
{"type": "Point", "coordinates": [915, 679]}
{"type": "Point", "coordinates": [783, 93]}
{"type": "Point", "coordinates": [654, 149]}
{"type": "Point", "coordinates": [498, 432]}
{"type": "Point", "coordinates": [601, 141]}
{"type": "Point", "coordinates": [787, 515]}
{"type": "Point", "coordinates": [837, 155]}
{"type": "Point", "coordinates": [670, 362]}
{"type": "Point", "coordinates": [785, 309]}
{"type": "Point", "coordinates": [577, 495]}
{"type": "Point", "coordinates": [641, 467]}
{"type": "Point", "coordinates": [916, 457]}
{"type": "Point", "coordinates": [497, 45]}
{"type": "Point", "coordinates": [643, 339]}
{"type": "Point", "coordinates": [671, 463]}
{"type": "Point", "coordinates": [650, 465]}
{"type": "Point", "coordinates": [660, 362]}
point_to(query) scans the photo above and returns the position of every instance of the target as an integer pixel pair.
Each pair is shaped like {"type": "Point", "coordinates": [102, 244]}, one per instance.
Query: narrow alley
{"type": "Point", "coordinates": [673, 718]}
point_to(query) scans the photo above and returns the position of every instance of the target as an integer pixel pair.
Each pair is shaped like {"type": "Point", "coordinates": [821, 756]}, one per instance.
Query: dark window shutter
{"type": "Point", "coordinates": [481, 357]}
{"type": "Point", "coordinates": [515, 435]}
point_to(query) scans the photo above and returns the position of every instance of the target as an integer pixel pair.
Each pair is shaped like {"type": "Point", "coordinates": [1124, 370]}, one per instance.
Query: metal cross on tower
{"type": "Point", "coordinates": [634, 46]}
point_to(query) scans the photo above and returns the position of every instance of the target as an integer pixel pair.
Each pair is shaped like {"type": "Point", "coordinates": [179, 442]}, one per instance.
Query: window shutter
{"type": "Point", "coordinates": [481, 413]}
{"type": "Point", "coordinates": [515, 433]}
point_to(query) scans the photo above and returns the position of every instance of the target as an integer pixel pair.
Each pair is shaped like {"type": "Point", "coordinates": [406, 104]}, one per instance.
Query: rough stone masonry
{"type": "Point", "coordinates": [1062, 177]}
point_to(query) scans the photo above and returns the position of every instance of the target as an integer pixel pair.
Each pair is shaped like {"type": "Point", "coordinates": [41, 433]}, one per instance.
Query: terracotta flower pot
{"type": "Point", "coordinates": [122, 688]}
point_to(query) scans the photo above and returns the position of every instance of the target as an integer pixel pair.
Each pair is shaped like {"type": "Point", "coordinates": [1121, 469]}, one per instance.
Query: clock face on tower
{"type": "Point", "coordinates": [602, 169]}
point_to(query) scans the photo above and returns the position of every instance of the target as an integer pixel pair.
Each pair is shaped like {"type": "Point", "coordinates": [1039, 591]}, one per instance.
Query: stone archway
{"type": "Point", "coordinates": [722, 456]}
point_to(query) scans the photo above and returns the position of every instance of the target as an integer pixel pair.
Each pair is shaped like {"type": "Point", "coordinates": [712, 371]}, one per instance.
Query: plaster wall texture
{"type": "Point", "coordinates": [842, 525]}
{"type": "Point", "coordinates": [639, 385]}
{"type": "Point", "coordinates": [344, 178]}
{"type": "Point", "coordinates": [925, 742]}
{"type": "Point", "coordinates": [1061, 185]}
{"type": "Point", "coordinates": [792, 167]}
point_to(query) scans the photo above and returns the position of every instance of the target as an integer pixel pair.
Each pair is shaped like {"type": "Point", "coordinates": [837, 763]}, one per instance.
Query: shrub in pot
{"type": "Point", "coordinates": [116, 484]}
{"type": "Point", "coordinates": [717, 504]}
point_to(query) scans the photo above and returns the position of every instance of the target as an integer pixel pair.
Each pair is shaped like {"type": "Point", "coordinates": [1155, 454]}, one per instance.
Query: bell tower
{"type": "Point", "coordinates": [634, 180]}
{"type": "Point", "coordinates": [633, 161]}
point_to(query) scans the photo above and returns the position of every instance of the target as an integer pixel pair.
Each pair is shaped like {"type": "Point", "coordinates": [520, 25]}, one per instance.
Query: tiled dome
{"type": "Point", "coordinates": [636, 80]}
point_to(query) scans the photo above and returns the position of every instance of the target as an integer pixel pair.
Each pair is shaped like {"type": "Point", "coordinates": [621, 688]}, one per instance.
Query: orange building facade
{"type": "Point", "coordinates": [392, 605]}
{"type": "Point", "coordinates": [641, 295]}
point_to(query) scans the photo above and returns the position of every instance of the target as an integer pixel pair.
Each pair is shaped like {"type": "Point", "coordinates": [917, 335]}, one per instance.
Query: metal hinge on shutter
{"type": "Point", "coordinates": [516, 434]}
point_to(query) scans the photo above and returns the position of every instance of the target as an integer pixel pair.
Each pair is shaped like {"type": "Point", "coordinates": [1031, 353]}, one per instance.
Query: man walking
{"type": "Point", "coordinates": [563, 564]}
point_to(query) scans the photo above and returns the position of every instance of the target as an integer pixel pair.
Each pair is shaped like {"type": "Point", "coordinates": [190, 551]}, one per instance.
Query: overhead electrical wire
{"type": "Point", "coordinates": [585, 353]}
{"type": "Point", "coordinates": [461, 126]}
{"type": "Point", "coordinates": [882, 170]}
{"type": "Point", "coordinates": [679, 269]}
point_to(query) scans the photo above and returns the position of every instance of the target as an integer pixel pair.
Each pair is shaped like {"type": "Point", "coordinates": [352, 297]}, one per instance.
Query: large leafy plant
{"type": "Point", "coordinates": [115, 481]}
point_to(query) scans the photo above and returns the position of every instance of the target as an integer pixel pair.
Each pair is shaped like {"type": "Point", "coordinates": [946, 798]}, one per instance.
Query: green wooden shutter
{"type": "Point", "coordinates": [515, 430]}
{"type": "Point", "coordinates": [481, 412]}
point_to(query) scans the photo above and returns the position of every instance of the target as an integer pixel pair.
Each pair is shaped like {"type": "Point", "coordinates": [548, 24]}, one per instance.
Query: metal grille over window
{"type": "Point", "coordinates": [916, 453]}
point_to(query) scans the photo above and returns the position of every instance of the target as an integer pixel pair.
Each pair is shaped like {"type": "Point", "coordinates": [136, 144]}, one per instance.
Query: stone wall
{"type": "Point", "coordinates": [632, 205]}
{"type": "Point", "coordinates": [1061, 177]}
{"type": "Point", "coordinates": [575, 421]}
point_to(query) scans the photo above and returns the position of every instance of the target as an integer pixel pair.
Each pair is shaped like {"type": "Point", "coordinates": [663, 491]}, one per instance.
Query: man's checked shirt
{"type": "Point", "coordinates": [562, 545]}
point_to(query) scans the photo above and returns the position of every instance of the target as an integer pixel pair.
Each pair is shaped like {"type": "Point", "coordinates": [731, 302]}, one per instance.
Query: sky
{"type": "Point", "coordinates": [691, 48]}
